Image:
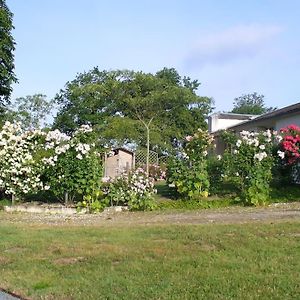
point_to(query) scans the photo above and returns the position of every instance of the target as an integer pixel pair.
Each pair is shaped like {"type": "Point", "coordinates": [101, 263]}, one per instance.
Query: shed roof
{"type": "Point", "coordinates": [116, 150]}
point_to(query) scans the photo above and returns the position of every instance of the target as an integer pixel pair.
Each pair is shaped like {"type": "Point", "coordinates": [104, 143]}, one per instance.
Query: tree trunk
{"type": "Point", "coordinates": [66, 198]}
{"type": "Point", "coordinates": [13, 199]}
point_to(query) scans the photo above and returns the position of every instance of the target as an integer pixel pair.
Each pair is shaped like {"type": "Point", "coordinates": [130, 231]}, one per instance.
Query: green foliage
{"type": "Point", "coordinates": [215, 170]}
{"type": "Point", "coordinates": [190, 180]}
{"type": "Point", "coordinates": [120, 103]}
{"type": "Point", "coordinates": [7, 47]}
{"type": "Point", "coordinates": [157, 172]}
{"type": "Point", "coordinates": [189, 173]}
{"type": "Point", "coordinates": [94, 202]}
{"type": "Point", "coordinates": [284, 193]}
{"type": "Point", "coordinates": [249, 164]}
{"type": "Point", "coordinates": [252, 104]}
{"type": "Point", "coordinates": [75, 173]}
{"type": "Point", "coordinates": [74, 176]}
{"type": "Point", "coordinates": [134, 189]}
{"type": "Point", "coordinates": [117, 191]}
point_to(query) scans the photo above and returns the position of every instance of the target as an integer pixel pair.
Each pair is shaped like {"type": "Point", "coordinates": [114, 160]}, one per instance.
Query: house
{"type": "Point", "coordinates": [220, 121]}
{"type": "Point", "coordinates": [274, 120]}
{"type": "Point", "coordinates": [118, 161]}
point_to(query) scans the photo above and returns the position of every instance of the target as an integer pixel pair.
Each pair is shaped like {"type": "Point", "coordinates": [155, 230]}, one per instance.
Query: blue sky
{"type": "Point", "coordinates": [232, 47]}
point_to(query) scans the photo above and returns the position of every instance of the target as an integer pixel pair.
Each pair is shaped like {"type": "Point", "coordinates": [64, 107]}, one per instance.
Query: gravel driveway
{"type": "Point", "coordinates": [232, 215]}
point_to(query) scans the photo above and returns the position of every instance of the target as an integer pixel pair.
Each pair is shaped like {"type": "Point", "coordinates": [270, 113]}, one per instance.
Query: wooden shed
{"type": "Point", "coordinates": [118, 161]}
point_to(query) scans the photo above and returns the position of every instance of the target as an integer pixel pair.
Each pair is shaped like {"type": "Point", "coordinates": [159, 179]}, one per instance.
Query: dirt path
{"type": "Point", "coordinates": [231, 215]}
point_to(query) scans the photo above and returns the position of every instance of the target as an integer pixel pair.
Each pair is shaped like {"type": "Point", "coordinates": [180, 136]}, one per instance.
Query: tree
{"type": "Point", "coordinates": [125, 105]}
{"type": "Point", "coordinates": [252, 104]}
{"type": "Point", "coordinates": [7, 46]}
{"type": "Point", "coordinates": [31, 111]}
{"type": "Point", "coordinates": [145, 99]}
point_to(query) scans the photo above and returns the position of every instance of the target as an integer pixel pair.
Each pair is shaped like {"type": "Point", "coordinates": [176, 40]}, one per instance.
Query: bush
{"type": "Point", "coordinates": [75, 165]}
{"type": "Point", "coordinates": [289, 147]}
{"type": "Point", "coordinates": [289, 153]}
{"type": "Point", "coordinates": [251, 162]}
{"type": "Point", "coordinates": [33, 161]}
{"type": "Point", "coordinates": [21, 160]}
{"type": "Point", "coordinates": [94, 202]}
{"type": "Point", "coordinates": [157, 172]}
{"type": "Point", "coordinates": [215, 170]}
{"type": "Point", "coordinates": [189, 172]}
{"type": "Point", "coordinates": [135, 190]}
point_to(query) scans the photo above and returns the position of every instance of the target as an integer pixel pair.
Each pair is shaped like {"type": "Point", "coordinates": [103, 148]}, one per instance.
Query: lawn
{"type": "Point", "coordinates": [211, 261]}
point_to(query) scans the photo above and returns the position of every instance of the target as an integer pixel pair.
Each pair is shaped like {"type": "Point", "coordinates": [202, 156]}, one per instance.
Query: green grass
{"type": "Point", "coordinates": [249, 261]}
{"type": "Point", "coordinates": [4, 202]}
{"type": "Point", "coordinates": [285, 193]}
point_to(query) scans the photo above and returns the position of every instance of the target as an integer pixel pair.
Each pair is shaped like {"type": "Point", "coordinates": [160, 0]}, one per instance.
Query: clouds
{"type": "Point", "coordinates": [225, 46]}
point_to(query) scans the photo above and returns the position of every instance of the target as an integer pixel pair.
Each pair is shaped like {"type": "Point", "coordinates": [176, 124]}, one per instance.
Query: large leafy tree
{"type": "Point", "coordinates": [7, 47]}
{"type": "Point", "coordinates": [32, 111]}
{"type": "Point", "coordinates": [252, 104]}
{"type": "Point", "coordinates": [129, 106]}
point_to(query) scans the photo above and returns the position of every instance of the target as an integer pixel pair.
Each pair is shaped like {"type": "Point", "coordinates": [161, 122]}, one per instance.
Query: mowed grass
{"type": "Point", "coordinates": [249, 261]}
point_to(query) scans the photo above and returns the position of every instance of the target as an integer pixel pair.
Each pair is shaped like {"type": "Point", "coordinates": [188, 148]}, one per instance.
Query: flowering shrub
{"type": "Point", "coordinates": [189, 173]}
{"type": "Point", "coordinates": [75, 164]}
{"type": "Point", "coordinates": [289, 147]}
{"type": "Point", "coordinates": [289, 153]}
{"type": "Point", "coordinates": [21, 163]}
{"type": "Point", "coordinates": [31, 161]}
{"type": "Point", "coordinates": [251, 163]}
{"type": "Point", "coordinates": [134, 189]}
{"type": "Point", "coordinates": [157, 172]}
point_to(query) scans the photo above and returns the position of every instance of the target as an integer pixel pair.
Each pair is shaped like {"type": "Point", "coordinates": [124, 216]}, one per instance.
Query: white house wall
{"type": "Point", "coordinates": [295, 119]}
{"type": "Point", "coordinates": [219, 124]}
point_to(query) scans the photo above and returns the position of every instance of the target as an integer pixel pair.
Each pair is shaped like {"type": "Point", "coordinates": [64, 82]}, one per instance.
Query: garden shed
{"type": "Point", "coordinates": [118, 161]}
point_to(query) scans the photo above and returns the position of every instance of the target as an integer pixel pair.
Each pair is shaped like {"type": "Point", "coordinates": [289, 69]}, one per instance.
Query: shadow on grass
{"type": "Point", "coordinates": [285, 193]}
{"type": "Point", "coordinates": [164, 191]}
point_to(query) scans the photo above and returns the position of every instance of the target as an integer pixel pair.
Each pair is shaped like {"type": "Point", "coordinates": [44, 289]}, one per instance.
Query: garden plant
{"type": "Point", "coordinates": [188, 172]}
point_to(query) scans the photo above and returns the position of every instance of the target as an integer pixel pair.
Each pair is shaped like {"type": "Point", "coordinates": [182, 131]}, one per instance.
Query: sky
{"type": "Point", "coordinates": [231, 47]}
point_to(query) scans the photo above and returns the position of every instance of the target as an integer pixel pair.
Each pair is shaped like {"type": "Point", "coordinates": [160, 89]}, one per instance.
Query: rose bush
{"type": "Point", "coordinates": [289, 147]}
{"type": "Point", "coordinates": [189, 171]}
{"type": "Point", "coordinates": [251, 162]}
{"type": "Point", "coordinates": [289, 153]}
